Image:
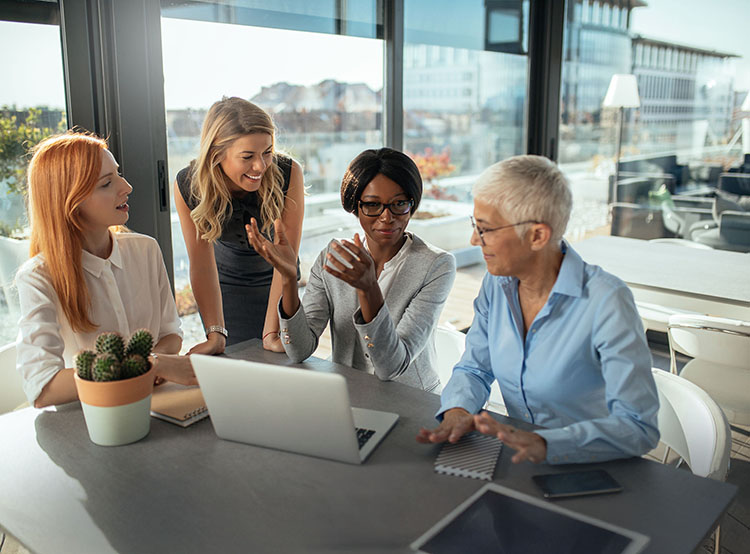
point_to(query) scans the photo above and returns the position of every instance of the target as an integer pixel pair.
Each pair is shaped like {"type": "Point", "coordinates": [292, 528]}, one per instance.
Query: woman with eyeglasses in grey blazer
{"type": "Point", "coordinates": [382, 293]}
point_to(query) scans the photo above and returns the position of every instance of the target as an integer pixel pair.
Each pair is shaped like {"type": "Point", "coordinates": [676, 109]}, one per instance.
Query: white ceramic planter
{"type": "Point", "coordinates": [451, 231]}
{"type": "Point", "coordinates": [117, 412]}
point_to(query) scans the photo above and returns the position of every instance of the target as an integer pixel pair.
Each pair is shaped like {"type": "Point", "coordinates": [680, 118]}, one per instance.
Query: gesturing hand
{"type": "Point", "coordinates": [530, 446]}
{"type": "Point", "coordinates": [279, 254]}
{"type": "Point", "coordinates": [362, 274]}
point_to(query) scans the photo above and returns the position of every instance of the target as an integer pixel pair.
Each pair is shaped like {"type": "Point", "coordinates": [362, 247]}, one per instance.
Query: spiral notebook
{"type": "Point", "coordinates": [178, 404]}
{"type": "Point", "coordinates": [474, 455]}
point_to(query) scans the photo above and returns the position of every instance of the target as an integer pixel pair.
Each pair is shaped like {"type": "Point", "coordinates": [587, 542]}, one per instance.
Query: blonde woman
{"type": "Point", "coordinates": [237, 177]}
{"type": "Point", "coordinates": [85, 276]}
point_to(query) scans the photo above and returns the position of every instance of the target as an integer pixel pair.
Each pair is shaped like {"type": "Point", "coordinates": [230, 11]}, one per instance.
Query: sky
{"type": "Point", "coordinates": [256, 56]}
{"type": "Point", "coordinates": [700, 23]}
{"type": "Point", "coordinates": [252, 57]}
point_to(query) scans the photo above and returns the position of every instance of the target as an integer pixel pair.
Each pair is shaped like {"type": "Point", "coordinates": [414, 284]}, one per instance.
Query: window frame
{"type": "Point", "coordinates": [107, 93]}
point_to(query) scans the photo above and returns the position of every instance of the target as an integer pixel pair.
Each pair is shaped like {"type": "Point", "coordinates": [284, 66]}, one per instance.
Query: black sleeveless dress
{"type": "Point", "coordinates": [244, 276]}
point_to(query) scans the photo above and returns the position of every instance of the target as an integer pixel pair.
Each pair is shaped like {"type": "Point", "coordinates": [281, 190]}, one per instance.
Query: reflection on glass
{"type": "Point", "coordinates": [464, 106]}
{"type": "Point", "coordinates": [683, 136]}
{"type": "Point", "coordinates": [32, 107]}
{"type": "Point", "coordinates": [323, 90]}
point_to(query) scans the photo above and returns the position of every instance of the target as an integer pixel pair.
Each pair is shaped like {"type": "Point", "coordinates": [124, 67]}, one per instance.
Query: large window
{"type": "Point", "coordinates": [465, 75]}
{"type": "Point", "coordinates": [317, 68]}
{"type": "Point", "coordinates": [32, 106]}
{"type": "Point", "coordinates": [692, 76]}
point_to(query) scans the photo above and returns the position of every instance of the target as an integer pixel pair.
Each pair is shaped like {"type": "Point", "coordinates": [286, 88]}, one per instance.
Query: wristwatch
{"type": "Point", "coordinates": [217, 329]}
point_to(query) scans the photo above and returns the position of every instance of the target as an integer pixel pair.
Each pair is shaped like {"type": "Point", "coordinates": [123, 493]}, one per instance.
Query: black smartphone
{"type": "Point", "coordinates": [576, 483]}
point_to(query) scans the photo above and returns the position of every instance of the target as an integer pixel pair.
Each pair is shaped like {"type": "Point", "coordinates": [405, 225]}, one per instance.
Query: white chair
{"type": "Point", "coordinates": [13, 253]}
{"type": "Point", "coordinates": [656, 317]}
{"type": "Point", "coordinates": [11, 384]}
{"type": "Point", "coordinates": [450, 345]}
{"type": "Point", "coordinates": [720, 349]}
{"type": "Point", "coordinates": [693, 425]}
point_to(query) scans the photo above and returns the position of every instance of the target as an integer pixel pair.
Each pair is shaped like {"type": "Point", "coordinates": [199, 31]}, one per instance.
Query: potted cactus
{"type": "Point", "coordinates": [114, 385]}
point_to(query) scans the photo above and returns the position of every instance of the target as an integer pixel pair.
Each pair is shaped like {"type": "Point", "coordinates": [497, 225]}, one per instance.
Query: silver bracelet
{"type": "Point", "coordinates": [217, 329]}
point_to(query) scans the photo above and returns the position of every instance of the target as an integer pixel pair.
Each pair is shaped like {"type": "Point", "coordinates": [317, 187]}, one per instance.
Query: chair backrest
{"type": "Point", "coordinates": [734, 227]}
{"type": "Point", "coordinates": [693, 425]}
{"type": "Point", "coordinates": [637, 221]}
{"type": "Point", "coordinates": [682, 242]}
{"type": "Point", "coordinates": [714, 339]}
{"type": "Point", "coordinates": [736, 183]}
{"type": "Point", "coordinates": [11, 384]}
{"type": "Point", "coordinates": [13, 252]}
{"type": "Point", "coordinates": [450, 345]}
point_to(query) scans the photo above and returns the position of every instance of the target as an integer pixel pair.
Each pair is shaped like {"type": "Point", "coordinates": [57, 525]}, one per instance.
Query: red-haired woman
{"type": "Point", "coordinates": [85, 275]}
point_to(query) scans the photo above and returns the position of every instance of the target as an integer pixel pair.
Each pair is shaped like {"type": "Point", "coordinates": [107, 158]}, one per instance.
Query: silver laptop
{"type": "Point", "coordinates": [297, 410]}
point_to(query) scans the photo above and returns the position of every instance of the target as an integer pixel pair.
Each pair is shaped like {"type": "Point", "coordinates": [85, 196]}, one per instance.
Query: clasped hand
{"type": "Point", "coordinates": [361, 275]}
{"type": "Point", "coordinates": [457, 422]}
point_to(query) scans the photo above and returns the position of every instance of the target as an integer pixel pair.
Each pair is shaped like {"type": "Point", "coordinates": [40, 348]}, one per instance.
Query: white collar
{"type": "Point", "coordinates": [400, 255]}
{"type": "Point", "coordinates": [95, 265]}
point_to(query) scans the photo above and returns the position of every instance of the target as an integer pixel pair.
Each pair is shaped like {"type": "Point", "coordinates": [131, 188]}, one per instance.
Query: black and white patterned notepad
{"type": "Point", "coordinates": [474, 455]}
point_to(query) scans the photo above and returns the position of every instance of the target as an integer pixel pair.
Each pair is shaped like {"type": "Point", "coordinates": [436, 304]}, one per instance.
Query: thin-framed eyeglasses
{"type": "Point", "coordinates": [374, 209]}
{"type": "Point", "coordinates": [481, 230]}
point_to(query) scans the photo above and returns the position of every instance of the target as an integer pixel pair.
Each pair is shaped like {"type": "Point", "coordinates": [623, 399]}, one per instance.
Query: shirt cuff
{"type": "Point", "coordinates": [359, 321]}
{"type": "Point", "coordinates": [295, 317]}
{"type": "Point", "coordinates": [466, 406]}
{"type": "Point", "coordinates": [563, 448]}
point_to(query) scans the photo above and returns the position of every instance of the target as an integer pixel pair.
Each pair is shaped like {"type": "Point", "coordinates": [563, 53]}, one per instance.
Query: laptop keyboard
{"type": "Point", "coordinates": [363, 435]}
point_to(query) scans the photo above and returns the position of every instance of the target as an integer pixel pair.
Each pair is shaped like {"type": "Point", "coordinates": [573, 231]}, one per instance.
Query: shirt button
{"type": "Point", "coordinates": [367, 355]}
{"type": "Point", "coordinates": [370, 345]}
{"type": "Point", "coordinates": [367, 337]}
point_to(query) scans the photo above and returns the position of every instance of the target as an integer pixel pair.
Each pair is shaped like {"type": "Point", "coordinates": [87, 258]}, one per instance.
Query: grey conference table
{"type": "Point", "coordinates": [715, 282]}
{"type": "Point", "coordinates": [185, 490]}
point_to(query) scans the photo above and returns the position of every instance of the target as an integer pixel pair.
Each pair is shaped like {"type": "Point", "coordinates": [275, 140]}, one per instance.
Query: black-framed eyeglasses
{"type": "Point", "coordinates": [374, 209]}
{"type": "Point", "coordinates": [481, 230]}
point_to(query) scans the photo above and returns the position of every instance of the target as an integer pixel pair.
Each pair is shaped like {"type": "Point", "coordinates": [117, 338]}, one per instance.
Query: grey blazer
{"type": "Point", "coordinates": [399, 343]}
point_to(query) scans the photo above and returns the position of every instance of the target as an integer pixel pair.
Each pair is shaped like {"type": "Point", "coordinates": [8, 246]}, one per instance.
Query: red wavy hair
{"type": "Point", "coordinates": [62, 174]}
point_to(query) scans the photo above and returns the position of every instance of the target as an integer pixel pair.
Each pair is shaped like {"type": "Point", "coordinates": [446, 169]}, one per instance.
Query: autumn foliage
{"type": "Point", "coordinates": [431, 166]}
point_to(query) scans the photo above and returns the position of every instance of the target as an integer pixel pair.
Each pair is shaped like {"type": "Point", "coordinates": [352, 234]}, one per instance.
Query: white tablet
{"type": "Point", "coordinates": [498, 519]}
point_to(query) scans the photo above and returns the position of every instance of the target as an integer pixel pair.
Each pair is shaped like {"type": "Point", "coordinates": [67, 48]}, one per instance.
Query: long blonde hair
{"type": "Point", "coordinates": [62, 174]}
{"type": "Point", "coordinates": [226, 121]}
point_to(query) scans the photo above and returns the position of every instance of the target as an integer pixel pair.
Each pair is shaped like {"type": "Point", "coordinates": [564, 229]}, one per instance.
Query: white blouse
{"type": "Point", "coordinates": [392, 266]}
{"type": "Point", "coordinates": [128, 291]}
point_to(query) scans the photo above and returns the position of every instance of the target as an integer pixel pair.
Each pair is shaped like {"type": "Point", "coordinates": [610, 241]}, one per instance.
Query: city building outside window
{"type": "Point", "coordinates": [692, 78]}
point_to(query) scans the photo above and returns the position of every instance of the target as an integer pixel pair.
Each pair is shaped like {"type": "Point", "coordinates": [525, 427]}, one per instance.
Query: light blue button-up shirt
{"type": "Point", "coordinates": [583, 370]}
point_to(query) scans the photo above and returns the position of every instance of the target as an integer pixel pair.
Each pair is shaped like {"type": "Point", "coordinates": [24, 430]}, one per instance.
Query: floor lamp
{"type": "Point", "coordinates": [622, 93]}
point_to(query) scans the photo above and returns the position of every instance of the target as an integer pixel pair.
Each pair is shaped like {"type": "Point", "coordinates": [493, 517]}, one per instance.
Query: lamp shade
{"type": "Point", "coordinates": [622, 92]}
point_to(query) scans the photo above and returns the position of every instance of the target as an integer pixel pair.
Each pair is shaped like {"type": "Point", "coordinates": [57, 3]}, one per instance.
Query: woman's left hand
{"type": "Point", "coordinates": [362, 273]}
{"type": "Point", "coordinates": [272, 342]}
{"type": "Point", "coordinates": [529, 446]}
{"type": "Point", "coordinates": [173, 367]}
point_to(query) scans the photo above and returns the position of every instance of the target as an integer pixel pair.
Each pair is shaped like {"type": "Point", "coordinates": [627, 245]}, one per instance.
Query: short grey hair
{"type": "Point", "coordinates": [527, 188]}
